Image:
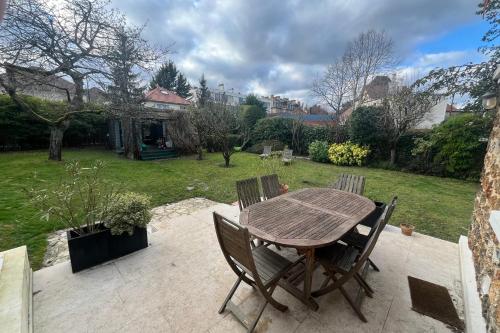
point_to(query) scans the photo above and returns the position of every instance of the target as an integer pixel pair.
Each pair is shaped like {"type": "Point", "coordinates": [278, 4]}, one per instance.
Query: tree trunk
{"type": "Point", "coordinates": [56, 140]}
{"type": "Point", "coordinates": [200, 153]}
{"type": "Point", "coordinates": [393, 155]}
{"type": "Point", "coordinates": [130, 138]}
{"type": "Point", "coordinates": [227, 158]}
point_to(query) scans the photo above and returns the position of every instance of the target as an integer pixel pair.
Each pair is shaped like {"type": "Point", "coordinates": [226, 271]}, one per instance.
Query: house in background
{"type": "Point", "coordinates": [378, 89]}
{"type": "Point", "coordinates": [159, 107]}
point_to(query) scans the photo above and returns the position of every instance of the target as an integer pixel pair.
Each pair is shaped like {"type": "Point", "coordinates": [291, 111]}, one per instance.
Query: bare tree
{"type": "Point", "coordinates": [334, 88]}
{"type": "Point", "coordinates": [404, 108]}
{"type": "Point", "coordinates": [221, 124]}
{"type": "Point", "coordinates": [41, 41]}
{"type": "Point", "coordinates": [370, 53]}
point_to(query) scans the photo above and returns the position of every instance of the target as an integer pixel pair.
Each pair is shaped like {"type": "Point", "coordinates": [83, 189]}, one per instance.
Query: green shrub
{"type": "Point", "coordinates": [318, 151]}
{"type": "Point", "coordinates": [366, 128]}
{"type": "Point", "coordinates": [127, 211]}
{"type": "Point", "coordinates": [454, 148]}
{"type": "Point", "coordinates": [347, 153]}
{"type": "Point", "coordinates": [275, 128]}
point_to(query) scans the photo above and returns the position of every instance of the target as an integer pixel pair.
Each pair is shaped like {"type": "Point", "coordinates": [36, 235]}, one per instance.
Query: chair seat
{"type": "Point", "coordinates": [355, 239]}
{"type": "Point", "coordinates": [338, 256]}
{"type": "Point", "coordinates": [270, 265]}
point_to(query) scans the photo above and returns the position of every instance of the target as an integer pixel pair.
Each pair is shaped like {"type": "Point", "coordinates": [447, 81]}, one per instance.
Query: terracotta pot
{"type": "Point", "coordinates": [283, 188]}
{"type": "Point", "coordinates": [407, 228]}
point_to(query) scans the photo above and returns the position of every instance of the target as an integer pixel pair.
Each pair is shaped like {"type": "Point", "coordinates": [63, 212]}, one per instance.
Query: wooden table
{"type": "Point", "coordinates": [306, 219]}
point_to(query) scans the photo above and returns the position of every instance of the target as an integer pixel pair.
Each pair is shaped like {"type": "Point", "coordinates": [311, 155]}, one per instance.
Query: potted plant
{"type": "Point", "coordinates": [102, 223]}
{"type": "Point", "coordinates": [407, 228]}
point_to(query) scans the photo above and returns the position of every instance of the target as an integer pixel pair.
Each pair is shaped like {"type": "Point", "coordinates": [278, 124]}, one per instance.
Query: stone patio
{"type": "Point", "coordinates": [178, 283]}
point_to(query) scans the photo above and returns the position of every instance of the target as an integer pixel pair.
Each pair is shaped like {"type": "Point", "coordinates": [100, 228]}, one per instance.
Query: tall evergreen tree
{"type": "Point", "coordinates": [203, 94]}
{"type": "Point", "coordinates": [166, 77]}
{"type": "Point", "coordinates": [182, 86]}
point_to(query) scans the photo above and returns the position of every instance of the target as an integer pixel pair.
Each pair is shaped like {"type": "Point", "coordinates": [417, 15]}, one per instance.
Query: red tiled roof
{"type": "Point", "coordinates": [161, 95]}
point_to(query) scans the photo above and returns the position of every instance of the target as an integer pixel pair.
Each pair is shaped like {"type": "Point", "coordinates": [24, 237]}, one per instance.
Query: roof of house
{"type": "Point", "coordinates": [162, 95]}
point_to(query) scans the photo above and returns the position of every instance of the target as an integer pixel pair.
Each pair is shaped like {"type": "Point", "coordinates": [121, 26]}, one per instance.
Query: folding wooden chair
{"type": "Point", "coordinates": [287, 156]}
{"type": "Point", "coordinates": [359, 240]}
{"type": "Point", "coordinates": [259, 267]}
{"type": "Point", "coordinates": [350, 183]}
{"type": "Point", "coordinates": [347, 261]}
{"type": "Point", "coordinates": [266, 152]}
{"type": "Point", "coordinates": [270, 186]}
{"type": "Point", "coordinates": [248, 192]}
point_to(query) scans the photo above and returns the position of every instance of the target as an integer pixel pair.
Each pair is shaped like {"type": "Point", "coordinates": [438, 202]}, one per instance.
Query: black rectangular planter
{"type": "Point", "coordinates": [94, 248]}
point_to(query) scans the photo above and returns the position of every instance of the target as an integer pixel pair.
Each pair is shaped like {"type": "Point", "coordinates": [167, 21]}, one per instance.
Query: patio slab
{"type": "Point", "coordinates": [178, 283]}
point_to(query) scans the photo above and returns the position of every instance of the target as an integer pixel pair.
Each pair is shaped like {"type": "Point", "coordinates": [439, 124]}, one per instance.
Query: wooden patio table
{"type": "Point", "coordinates": [306, 219]}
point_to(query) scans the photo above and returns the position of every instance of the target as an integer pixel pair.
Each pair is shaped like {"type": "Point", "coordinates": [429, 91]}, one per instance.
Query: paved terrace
{"type": "Point", "coordinates": [178, 283]}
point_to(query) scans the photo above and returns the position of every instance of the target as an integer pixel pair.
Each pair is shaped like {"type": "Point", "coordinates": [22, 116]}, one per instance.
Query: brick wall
{"type": "Point", "coordinates": [482, 240]}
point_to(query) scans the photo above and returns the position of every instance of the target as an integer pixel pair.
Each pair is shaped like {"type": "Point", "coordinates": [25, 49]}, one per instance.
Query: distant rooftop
{"type": "Point", "coordinates": [163, 95]}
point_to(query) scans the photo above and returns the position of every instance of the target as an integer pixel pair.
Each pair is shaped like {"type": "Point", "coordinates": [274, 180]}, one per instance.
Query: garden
{"type": "Point", "coordinates": [439, 207]}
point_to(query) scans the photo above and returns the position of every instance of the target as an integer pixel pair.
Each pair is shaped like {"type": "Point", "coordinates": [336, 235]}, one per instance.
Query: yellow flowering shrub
{"type": "Point", "coordinates": [347, 153]}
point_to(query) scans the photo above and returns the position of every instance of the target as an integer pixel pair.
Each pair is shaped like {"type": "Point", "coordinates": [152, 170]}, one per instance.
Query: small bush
{"type": "Point", "coordinates": [318, 151]}
{"type": "Point", "coordinates": [347, 153]}
{"type": "Point", "coordinates": [127, 211]}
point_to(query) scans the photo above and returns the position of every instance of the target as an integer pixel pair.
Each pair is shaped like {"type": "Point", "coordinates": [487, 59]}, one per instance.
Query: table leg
{"type": "Point", "coordinates": [308, 279]}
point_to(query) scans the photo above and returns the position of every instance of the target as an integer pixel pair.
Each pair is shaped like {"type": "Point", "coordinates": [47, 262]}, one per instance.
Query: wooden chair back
{"type": "Point", "coordinates": [350, 183]}
{"type": "Point", "coordinates": [267, 150]}
{"type": "Point", "coordinates": [378, 227]}
{"type": "Point", "coordinates": [270, 186]}
{"type": "Point", "coordinates": [248, 192]}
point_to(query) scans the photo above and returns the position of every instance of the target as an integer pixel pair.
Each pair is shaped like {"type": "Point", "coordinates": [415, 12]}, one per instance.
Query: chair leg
{"type": "Point", "coordinates": [368, 290]}
{"type": "Point", "coordinates": [251, 327]}
{"type": "Point", "coordinates": [268, 295]}
{"type": "Point", "coordinates": [353, 305]}
{"type": "Point", "coordinates": [373, 265]}
{"type": "Point", "coordinates": [231, 293]}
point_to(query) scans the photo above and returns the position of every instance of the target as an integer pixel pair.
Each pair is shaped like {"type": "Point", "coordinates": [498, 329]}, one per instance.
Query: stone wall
{"type": "Point", "coordinates": [482, 239]}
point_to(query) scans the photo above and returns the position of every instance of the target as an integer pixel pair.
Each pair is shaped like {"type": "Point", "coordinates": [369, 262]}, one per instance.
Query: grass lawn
{"type": "Point", "coordinates": [439, 207]}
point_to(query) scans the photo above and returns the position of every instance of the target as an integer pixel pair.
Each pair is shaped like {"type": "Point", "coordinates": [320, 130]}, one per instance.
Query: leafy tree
{"type": "Point", "coordinates": [472, 80]}
{"type": "Point", "coordinates": [182, 86]}
{"type": "Point", "coordinates": [165, 77]}
{"type": "Point", "coordinates": [203, 94]}
{"type": "Point", "coordinates": [366, 127]}
{"type": "Point", "coordinates": [254, 100]}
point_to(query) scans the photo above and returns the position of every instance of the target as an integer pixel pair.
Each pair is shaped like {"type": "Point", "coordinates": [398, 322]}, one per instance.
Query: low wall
{"type": "Point", "coordinates": [15, 291]}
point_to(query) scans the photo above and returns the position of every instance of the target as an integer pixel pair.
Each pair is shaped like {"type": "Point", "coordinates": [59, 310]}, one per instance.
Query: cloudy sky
{"type": "Point", "coordinates": [279, 47]}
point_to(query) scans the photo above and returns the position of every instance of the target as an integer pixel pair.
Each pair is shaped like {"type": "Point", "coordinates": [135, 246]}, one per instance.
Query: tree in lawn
{"type": "Point", "coordinates": [203, 94]}
{"type": "Point", "coordinates": [40, 43]}
{"type": "Point", "coordinates": [182, 87]}
{"type": "Point", "coordinates": [221, 127]}
{"type": "Point", "coordinates": [197, 118]}
{"type": "Point", "coordinates": [404, 108]}
{"type": "Point", "coordinates": [130, 54]}
{"type": "Point", "coordinates": [472, 80]}
{"type": "Point", "coordinates": [165, 77]}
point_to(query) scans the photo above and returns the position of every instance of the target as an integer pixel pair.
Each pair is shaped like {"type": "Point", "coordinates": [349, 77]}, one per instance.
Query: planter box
{"type": "Point", "coordinates": [100, 246]}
